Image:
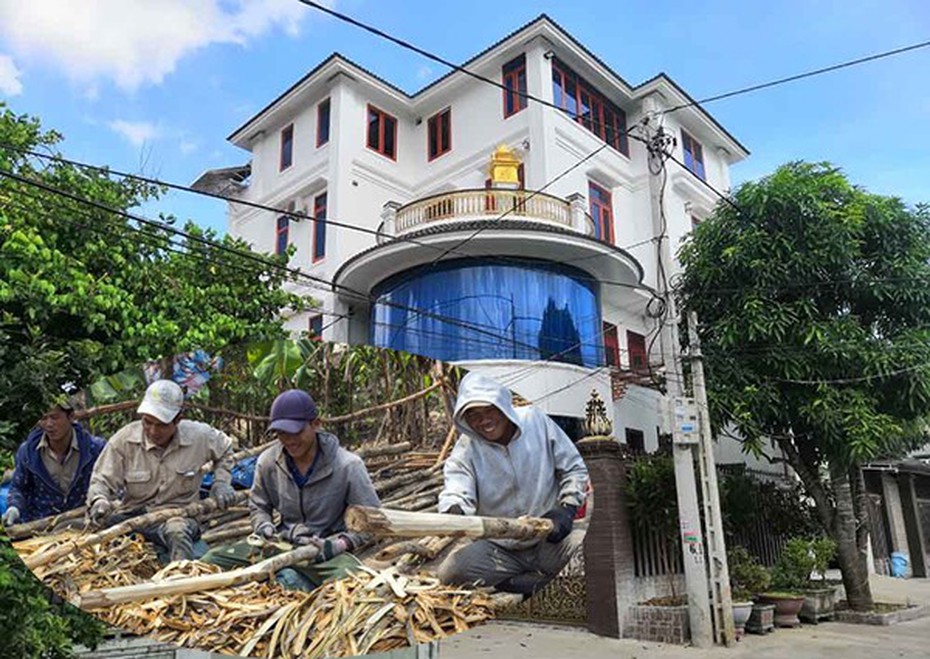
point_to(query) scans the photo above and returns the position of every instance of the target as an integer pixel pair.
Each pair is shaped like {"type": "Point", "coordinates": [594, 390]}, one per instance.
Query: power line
{"type": "Point", "coordinates": [295, 272]}
{"type": "Point", "coordinates": [336, 223]}
{"type": "Point", "coordinates": [799, 76]}
{"type": "Point", "coordinates": [456, 67]}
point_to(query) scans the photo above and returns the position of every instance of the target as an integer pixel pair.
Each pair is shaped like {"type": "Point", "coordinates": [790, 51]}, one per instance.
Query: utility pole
{"type": "Point", "coordinates": [713, 520]}
{"type": "Point", "coordinates": [676, 417]}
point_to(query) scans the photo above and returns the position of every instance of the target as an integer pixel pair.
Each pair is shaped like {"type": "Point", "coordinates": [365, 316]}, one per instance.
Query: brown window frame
{"type": "Point", "coordinates": [510, 73]}
{"type": "Point", "coordinates": [319, 122]}
{"type": "Point", "coordinates": [380, 146]}
{"type": "Point", "coordinates": [287, 137]}
{"type": "Point", "coordinates": [434, 134]}
{"type": "Point", "coordinates": [604, 118]}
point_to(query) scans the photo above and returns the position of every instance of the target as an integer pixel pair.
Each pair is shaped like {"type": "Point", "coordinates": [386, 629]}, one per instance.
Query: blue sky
{"type": "Point", "coordinates": [155, 86]}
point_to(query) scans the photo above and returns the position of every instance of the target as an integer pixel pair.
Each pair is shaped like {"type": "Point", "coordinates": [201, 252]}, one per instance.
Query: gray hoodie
{"type": "Point", "coordinates": [537, 471]}
{"type": "Point", "coordinates": [339, 480]}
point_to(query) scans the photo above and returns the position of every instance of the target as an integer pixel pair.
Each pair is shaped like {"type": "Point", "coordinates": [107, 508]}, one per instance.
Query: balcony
{"type": "Point", "coordinates": [448, 208]}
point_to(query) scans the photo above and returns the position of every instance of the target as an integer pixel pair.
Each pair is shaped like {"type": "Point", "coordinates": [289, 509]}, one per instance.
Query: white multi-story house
{"type": "Point", "coordinates": [543, 283]}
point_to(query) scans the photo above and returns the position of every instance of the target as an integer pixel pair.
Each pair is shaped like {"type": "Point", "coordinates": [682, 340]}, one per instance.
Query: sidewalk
{"type": "Point", "coordinates": [502, 640]}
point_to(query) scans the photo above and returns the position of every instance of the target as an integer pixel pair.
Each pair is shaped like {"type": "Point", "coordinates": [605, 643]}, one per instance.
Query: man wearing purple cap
{"type": "Point", "coordinates": [310, 480]}
{"type": "Point", "coordinates": [155, 463]}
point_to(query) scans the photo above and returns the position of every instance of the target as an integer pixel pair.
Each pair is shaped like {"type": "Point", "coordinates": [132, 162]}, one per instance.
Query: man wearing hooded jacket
{"type": "Point", "coordinates": [510, 462]}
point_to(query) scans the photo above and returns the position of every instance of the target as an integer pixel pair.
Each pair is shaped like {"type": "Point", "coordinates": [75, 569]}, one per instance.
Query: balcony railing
{"type": "Point", "coordinates": [490, 204]}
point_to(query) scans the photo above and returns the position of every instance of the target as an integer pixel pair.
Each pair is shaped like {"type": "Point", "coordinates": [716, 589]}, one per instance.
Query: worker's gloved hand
{"type": "Point", "coordinates": [299, 535]}
{"type": "Point", "coordinates": [265, 531]}
{"type": "Point", "coordinates": [223, 493]}
{"type": "Point", "coordinates": [100, 511]}
{"type": "Point", "coordinates": [11, 516]}
{"type": "Point", "coordinates": [455, 510]}
{"type": "Point", "coordinates": [562, 518]}
{"type": "Point", "coordinates": [332, 547]}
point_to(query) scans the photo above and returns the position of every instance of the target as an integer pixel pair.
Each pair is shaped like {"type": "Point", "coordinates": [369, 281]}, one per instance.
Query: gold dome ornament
{"type": "Point", "coordinates": [596, 421]}
{"type": "Point", "coordinates": [505, 167]}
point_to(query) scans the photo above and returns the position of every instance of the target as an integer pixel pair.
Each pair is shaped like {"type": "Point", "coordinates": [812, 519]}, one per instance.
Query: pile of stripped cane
{"type": "Point", "coordinates": [369, 611]}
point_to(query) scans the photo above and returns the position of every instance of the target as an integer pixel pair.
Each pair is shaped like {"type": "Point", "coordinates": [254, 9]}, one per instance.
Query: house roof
{"type": "Point", "coordinates": [543, 21]}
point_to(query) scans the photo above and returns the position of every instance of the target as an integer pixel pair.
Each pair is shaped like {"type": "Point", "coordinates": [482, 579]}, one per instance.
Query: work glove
{"type": "Point", "coordinates": [562, 518]}
{"type": "Point", "coordinates": [223, 493]}
{"type": "Point", "coordinates": [100, 511]}
{"type": "Point", "coordinates": [332, 547]}
{"type": "Point", "coordinates": [11, 516]}
{"type": "Point", "coordinates": [299, 535]}
{"type": "Point", "coordinates": [265, 530]}
{"type": "Point", "coordinates": [455, 510]}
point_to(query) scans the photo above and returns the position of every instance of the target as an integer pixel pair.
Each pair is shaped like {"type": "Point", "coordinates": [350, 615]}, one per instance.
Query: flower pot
{"type": "Point", "coordinates": [787, 607]}
{"type": "Point", "coordinates": [762, 619]}
{"type": "Point", "coordinates": [741, 613]}
{"type": "Point", "coordinates": [819, 604]}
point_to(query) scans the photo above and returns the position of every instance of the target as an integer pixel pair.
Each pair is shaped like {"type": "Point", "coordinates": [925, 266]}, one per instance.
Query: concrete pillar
{"type": "Point", "coordinates": [579, 213]}
{"type": "Point", "coordinates": [388, 217]}
{"type": "Point", "coordinates": [915, 541]}
{"type": "Point", "coordinates": [608, 547]}
{"type": "Point", "coordinates": [892, 497]}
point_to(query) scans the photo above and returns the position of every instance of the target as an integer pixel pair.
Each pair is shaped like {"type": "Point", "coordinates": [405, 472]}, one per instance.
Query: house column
{"type": "Point", "coordinates": [608, 547]}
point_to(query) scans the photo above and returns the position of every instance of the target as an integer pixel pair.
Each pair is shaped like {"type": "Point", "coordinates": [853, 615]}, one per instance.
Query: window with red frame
{"type": "Point", "coordinates": [287, 148]}
{"type": "Point", "coordinates": [601, 208]}
{"type": "Point", "coordinates": [694, 154]}
{"type": "Point", "coordinates": [280, 236]}
{"type": "Point", "coordinates": [382, 132]}
{"type": "Point", "coordinates": [611, 345]}
{"type": "Point", "coordinates": [315, 327]}
{"type": "Point", "coordinates": [322, 123]}
{"type": "Point", "coordinates": [583, 103]}
{"type": "Point", "coordinates": [490, 203]}
{"type": "Point", "coordinates": [439, 131]}
{"type": "Point", "coordinates": [514, 81]}
{"type": "Point", "coordinates": [319, 227]}
{"type": "Point", "coordinates": [636, 348]}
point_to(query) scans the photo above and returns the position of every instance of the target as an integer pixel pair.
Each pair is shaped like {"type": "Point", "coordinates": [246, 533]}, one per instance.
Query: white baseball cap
{"type": "Point", "coordinates": [163, 400]}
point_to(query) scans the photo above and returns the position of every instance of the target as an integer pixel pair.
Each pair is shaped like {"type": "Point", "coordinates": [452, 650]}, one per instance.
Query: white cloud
{"type": "Point", "coordinates": [424, 72]}
{"type": "Point", "coordinates": [188, 146]}
{"type": "Point", "coordinates": [10, 84]}
{"type": "Point", "coordinates": [137, 42]}
{"type": "Point", "coordinates": [137, 133]}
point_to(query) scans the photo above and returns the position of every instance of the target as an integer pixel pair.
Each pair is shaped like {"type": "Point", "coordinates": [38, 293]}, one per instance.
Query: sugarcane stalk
{"type": "Point", "coordinates": [385, 522]}
{"type": "Point", "coordinates": [196, 509]}
{"type": "Point", "coordinates": [446, 445]}
{"type": "Point", "coordinates": [21, 531]}
{"type": "Point", "coordinates": [96, 599]}
{"type": "Point", "coordinates": [387, 449]}
{"type": "Point", "coordinates": [228, 532]}
{"type": "Point", "coordinates": [401, 501]}
{"type": "Point", "coordinates": [390, 484]}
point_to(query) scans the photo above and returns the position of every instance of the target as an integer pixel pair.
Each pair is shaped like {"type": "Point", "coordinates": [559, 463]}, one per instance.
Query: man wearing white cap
{"type": "Point", "coordinates": [155, 463]}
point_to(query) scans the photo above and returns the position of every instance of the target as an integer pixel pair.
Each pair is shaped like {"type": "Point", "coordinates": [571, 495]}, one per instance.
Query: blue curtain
{"type": "Point", "coordinates": [473, 309]}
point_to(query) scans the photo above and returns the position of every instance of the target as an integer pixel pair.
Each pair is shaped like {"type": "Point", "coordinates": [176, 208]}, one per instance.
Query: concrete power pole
{"type": "Point", "coordinates": [680, 422]}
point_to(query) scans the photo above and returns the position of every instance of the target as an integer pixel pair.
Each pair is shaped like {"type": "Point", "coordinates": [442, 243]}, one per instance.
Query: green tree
{"type": "Point", "coordinates": [814, 314]}
{"type": "Point", "coordinates": [86, 291]}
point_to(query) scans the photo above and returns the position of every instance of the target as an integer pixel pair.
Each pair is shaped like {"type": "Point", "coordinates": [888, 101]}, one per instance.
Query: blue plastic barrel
{"type": "Point", "coordinates": [899, 563]}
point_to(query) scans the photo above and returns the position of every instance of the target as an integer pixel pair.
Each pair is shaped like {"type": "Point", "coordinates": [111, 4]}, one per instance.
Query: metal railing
{"type": "Point", "coordinates": [483, 203]}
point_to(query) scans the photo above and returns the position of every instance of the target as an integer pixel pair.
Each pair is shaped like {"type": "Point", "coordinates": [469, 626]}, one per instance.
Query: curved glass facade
{"type": "Point", "coordinates": [472, 309]}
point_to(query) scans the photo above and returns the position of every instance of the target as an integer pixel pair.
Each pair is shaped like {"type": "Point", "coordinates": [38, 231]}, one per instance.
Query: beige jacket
{"type": "Point", "coordinates": [132, 468]}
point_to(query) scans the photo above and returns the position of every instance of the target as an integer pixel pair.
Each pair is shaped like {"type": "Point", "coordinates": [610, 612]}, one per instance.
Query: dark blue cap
{"type": "Point", "coordinates": [291, 411]}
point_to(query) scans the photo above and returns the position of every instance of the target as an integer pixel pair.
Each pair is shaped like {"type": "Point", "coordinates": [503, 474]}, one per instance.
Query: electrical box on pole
{"type": "Point", "coordinates": [686, 428]}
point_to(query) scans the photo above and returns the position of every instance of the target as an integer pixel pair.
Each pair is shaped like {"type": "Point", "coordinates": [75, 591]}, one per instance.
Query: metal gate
{"type": "Point", "coordinates": [881, 552]}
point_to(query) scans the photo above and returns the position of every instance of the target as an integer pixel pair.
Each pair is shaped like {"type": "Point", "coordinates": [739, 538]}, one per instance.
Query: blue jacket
{"type": "Point", "coordinates": [35, 493]}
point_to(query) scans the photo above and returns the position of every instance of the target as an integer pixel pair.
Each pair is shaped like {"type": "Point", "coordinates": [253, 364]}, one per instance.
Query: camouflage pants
{"type": "Point", "coordinates": [176, 539]}
{"type": "Point", "coordinates": [303, 576]}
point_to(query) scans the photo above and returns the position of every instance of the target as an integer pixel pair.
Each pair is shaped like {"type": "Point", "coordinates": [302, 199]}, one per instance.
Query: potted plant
{"type": "Point", "coordinates": [747, 578]}
{"type": "Point", "coordinates": [790, 576]}
{"type": "Point", "coordinates": [819, 597]}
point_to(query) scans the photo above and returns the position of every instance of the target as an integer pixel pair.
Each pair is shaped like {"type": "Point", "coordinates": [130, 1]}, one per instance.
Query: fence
{"type": "Point", "coordinates": [481, 203]}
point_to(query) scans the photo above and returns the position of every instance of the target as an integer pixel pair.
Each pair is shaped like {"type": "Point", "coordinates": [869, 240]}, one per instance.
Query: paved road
{"type": "Point", "coordinates": [502, 640]}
